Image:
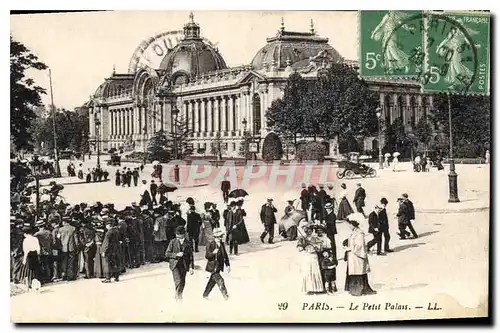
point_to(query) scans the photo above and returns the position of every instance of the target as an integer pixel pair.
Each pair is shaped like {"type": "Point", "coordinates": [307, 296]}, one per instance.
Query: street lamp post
{"type": "Point", "coordinates": [380, 157]}
{"type": "Point", "coordinates": [244, 122]}
{"type": "Point", "coordinates": [56, 155]}
{"type": "Point", "coordinates": [98, 139]}
{"type": "Point", "coordinates": [452, 176]}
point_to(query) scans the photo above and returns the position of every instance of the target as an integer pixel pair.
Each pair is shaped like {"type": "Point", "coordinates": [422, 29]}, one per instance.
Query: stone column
{"type": "Point", "coordinates": [196, 110]}
{"type": "Point", "coordinates": [190, 114]}
{"type": "Point", "coordinates": [241, 112]}
{"type": "Point", "coordinates": [210, 115]}
{"type": "Point", "coordinates": [217, 113]}
{"type": "Point", "coordinates": [185, 113]}
{"type": "Point", "coordinates": [394, 111]}
{"type": "Point", "coordinates": [203, 115]}
{"type": "Point", "coordinates": [223, 115]}
{"type": "Point", "coordinates": [263, 107]}
{"type": "Point", "coordinates": [231, 114]}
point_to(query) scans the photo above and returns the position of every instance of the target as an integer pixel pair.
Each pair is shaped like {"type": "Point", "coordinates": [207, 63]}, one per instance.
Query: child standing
{"type": "Point", "coordinates": [328, 268]}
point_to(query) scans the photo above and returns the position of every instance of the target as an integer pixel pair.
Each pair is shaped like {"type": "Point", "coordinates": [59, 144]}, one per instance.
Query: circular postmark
{"type": "Point", "coordinates": [446, 60]}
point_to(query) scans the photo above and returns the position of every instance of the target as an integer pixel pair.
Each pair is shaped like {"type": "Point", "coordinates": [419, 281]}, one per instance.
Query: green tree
{"type": "Point", "coordinates": [158, 147]}
{"type": "Point", "coordinates": [471, 122]}
{"type": "Point", "coordinates": [181, 137]}
{"type": "Point", "coordinates": [424, 132]}
{"type": "Point", "coordinates": [346, 104]}
{"type": "Point", "coordinates": [272, 149]}
{"type": "Point", "coordinates": [337, 104]}
{"type": "Point", "coordinates": [217, 146]}
{"type": "Point", "coordinates": [285, 116]}
{"type": "Point", "coordinates": [24, 94]}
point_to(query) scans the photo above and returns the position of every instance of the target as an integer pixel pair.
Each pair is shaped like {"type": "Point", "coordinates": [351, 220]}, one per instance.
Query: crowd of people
{"type": "Point", "coordinates": [62, 241]}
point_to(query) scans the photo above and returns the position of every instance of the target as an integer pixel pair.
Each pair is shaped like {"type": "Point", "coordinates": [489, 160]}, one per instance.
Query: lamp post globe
{"type": "Point", "coordinates": [380, 157]}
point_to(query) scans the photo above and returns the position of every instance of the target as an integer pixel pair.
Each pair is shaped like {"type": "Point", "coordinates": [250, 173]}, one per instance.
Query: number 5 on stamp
{"type": "Point", "coordinates": [387, 43]}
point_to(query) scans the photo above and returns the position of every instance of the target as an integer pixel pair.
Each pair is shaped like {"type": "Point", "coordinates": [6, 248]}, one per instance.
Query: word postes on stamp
{"type": "Point", "coordinates": [457, 49]}
{"type": "Point", "coordinates": [386, 43]}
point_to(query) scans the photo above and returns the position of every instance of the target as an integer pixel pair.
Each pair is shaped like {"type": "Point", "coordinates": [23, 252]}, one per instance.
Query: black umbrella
{"type": "Point", "coordinates": [238, 193]}
{"type": "Point", "coordinates": [169, 187]}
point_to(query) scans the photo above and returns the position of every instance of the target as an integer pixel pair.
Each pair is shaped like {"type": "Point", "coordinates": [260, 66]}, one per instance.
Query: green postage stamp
{"type": "Point", "coordinates": [389, 42]}
{"type": "Point", "coordinates": [448, 52]}
{"type": "Point", "coordinates": [458, 49]}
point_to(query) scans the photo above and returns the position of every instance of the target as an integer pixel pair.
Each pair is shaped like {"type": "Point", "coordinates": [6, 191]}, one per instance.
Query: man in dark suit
{"type": "Point", "coordinates": [180, 256]}
{"type": "Point", "coordinates": [383, 221]}
{"type": "Point", "coordinates": [411, 215]}
{"type": "Point", "coordinates": [217, 258]}
{"type": "Point", "coordinates": [69, 243]}
{"type": "Point", "coordinates": [374, 229]}
{"type": "Point", "coordinates": [403, 219]}
{"type": "Point", "coordinates": [110, 251]}
{"type": "Point", "coordinates": [225, 187]}
{"type": "Point", "coordinates": [331, 227]}
{"type": "Point", "coordinates": [359, 199]}
{"type": "Point", "coordinates": [193, 227]}
{"type": "Point", "coordinates": [153, 189]}
{"type": "Point", "coordinates": [268, 218]}
{"type": "Point", "coordinates": [305, 199]}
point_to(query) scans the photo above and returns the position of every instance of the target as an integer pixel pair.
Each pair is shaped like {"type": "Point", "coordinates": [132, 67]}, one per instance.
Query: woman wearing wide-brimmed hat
{"type": "Point", "coordinates": [309, 245]}
{"type": "Point", "coordinates": [358, 266]}
{"type": "Point", "coordinates": [345, 208]}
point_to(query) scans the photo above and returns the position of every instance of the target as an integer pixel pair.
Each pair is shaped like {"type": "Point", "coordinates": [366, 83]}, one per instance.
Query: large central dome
{"type": "Point", "coordinates": [191, 57]}
{"type": "Point", "coordinates": [293, 48]}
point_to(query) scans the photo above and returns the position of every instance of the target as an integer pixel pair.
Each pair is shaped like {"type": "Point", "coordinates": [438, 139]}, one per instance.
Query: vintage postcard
{"type": "Point", "coordinates": [249, 166]}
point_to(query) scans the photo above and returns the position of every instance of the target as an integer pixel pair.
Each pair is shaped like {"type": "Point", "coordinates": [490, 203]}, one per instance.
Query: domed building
{"type": "Point", "coordinates": [191, 86]}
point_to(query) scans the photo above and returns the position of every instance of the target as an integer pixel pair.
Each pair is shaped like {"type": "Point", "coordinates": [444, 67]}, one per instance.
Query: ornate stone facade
{"type": "Point", "coordinates": [212, 99]}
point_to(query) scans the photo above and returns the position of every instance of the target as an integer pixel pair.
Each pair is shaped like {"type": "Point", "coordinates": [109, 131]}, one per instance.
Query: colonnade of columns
{"type": "Point", "coordinates": [411, 108]}
{"type": "Point", "coordinates": [204, 117]}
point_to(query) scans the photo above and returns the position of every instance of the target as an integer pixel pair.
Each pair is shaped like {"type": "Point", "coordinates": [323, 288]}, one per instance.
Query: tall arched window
{"type": "Point", "coordinates": [256, 113]}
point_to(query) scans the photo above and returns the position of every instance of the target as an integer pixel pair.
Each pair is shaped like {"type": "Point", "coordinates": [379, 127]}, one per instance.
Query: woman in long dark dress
{"type": "Point", "coordinates": [16, 244]}
{"type": "Point", "coordinates": [117, 178]}
{"type": "Point", "coordinates": [244, 238]}
{"type": "Point", "coordinates": [356, 282]}
{"type": "Point", "coordinates": [31, 249]}
{"type": "Point", "coordinates": [98, 263]}
{"type": "Point", "coordinates": [345, 208]}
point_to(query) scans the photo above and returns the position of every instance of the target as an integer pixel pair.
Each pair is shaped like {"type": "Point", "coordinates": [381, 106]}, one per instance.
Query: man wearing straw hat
{"type": "Point", "coordinates": [217, 258]}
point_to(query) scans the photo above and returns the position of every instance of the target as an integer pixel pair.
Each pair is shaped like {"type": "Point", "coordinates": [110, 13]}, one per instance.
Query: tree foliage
{"type": "Point", "coordinates": [311, 151]}
{"type": "Point", "coordinates": [24, 94]}
{"type": "Point", "coordinates": [72, 131]}
{"type": "Point", "coordinates": [424, 131]}
{"type": "Point", "coordinates": [217, 146]}
{"type": "Point", "coordinates": [272, 149]}
{"type": "Point", "coordinates": [471, 122]}
{"type": "Point", "coordinates": [338, 103]}
{"type": "Point", "coordinates": [181, 136]}
{"type": "Point", "coordinates": [158, 147]}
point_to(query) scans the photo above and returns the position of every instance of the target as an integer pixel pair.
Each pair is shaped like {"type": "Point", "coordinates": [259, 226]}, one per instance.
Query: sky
{"type": "Point", "coordinates": [81, 49]}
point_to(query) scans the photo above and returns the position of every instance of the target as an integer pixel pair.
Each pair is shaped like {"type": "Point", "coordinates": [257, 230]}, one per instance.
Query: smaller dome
{"type": "Point", "coordinates": [292, 48]}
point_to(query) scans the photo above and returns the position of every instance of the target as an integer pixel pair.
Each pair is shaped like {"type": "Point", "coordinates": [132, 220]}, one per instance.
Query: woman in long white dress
{"type": "Point", "coordinates": [308, 245]}
{"type": "Point", "coordinates": [357, 262]}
